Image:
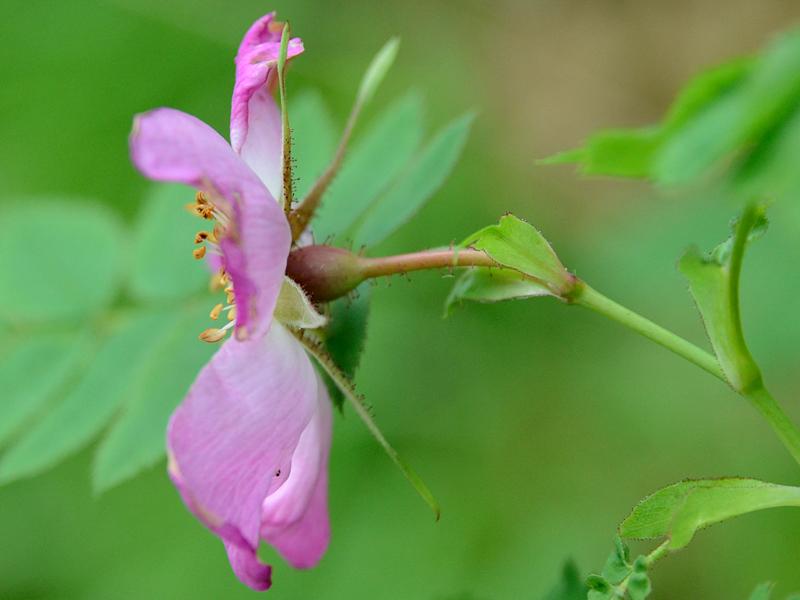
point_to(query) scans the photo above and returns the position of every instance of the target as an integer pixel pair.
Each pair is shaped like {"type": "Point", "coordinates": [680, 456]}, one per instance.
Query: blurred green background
{"type": "Point", "coordinates": [538, 426]}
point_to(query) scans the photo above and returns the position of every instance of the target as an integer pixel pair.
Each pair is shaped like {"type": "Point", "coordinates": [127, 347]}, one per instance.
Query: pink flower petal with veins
{"type": "Point", "coordinates": [255, 117]}
{"type": "Point", "coordinates": [234, 442]}
{"type": "Point", "coordinates": [169, 145]}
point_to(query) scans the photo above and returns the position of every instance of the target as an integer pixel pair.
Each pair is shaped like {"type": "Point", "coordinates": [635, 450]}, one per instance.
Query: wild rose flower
{"type": "Point", "coordinates": [248, 447]}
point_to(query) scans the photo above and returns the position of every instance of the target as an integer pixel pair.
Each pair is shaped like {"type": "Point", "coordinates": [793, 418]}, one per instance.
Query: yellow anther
{"type": "Point", "coordinates": [212, 335]}
{"type": "Point", "coordinates": [232, 313]}
{"type": "Point", "coordinates": [201, 237]}
{"type": "Point", "coordinates": [215, 312]}
{"type": "Point", "coordinates": [217, 281]}
{"type": "Point", "coordinates": [230, 297]}
{"type": "Point", "coordinates": [199, 253]}
{"type": "Point", "coordinates": [200, 198]}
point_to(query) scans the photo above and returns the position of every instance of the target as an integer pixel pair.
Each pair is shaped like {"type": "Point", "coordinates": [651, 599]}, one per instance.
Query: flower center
{"type": "Point", "coordinates": [208, 242]}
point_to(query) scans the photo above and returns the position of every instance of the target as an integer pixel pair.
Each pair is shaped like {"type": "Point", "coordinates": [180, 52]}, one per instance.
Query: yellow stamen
{"type": "Point", "coordinates": [199, 253]}
{"type": "Point", "coordinates": [201, 237]}
{"type": "Point", "coordinates": [213, 335]}
{"type": "Point", "coordinates": [230, 297]}
{"type": "Point", "coordinates": [215, 312]}
{"type": "Point", "coordinates": [232, 313]}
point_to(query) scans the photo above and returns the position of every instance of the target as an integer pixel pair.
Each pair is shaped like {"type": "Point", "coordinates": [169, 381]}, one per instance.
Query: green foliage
{"type": "Point", "coordinates": [160, 269]}
{"type": "Point", "coordinates": [86, 409]}
{"type": "Point", "coordinates": [714, 283]}
{"type": "Point", "coordinates": [58, 261]}
{"type": "Point", "coordinates": [763, 591]}
{"type": "Point", "coordinates": [386, 178]}
{"type": "Point", "coordinates": [99, 358]}
{"type": "Point", "coordinates": [376, 71]}
{"type": "Point", "coordinates": [492, 285]}
{"type": "Point", "coordinates": [418, 181]}
{"type": "Point", "coordinates": [620, 577]}
{"type": "Point", "coordinates": [738, 112]}
{"type": "Point", "coordinates": [314, 141]}
{"type": "Point", "coordinates": [570, 586]}
{"type": "Point", "coordinates": [678, 511]}
{"type": "Point", "coordinates": [375, 161]}
{"type": "Point", "coordinates": [346, 335]}
{"type": "Point", "coordinates": [517, 245]}
{"type": "Point", "coordinates": [32, 373]}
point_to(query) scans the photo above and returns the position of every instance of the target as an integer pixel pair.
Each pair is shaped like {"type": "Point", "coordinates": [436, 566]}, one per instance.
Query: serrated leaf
{"type": "Point", "coordinates": [163, 267]}
{"type": "Point", "coordinates": [346, 336]}
{"type": "Point", "coordinates": [414, 186]}
{"type": "Point", "coordinates": [91, 403]}
{"type": "Point", "coordinates": [515, 244]}
{"type": "Point", "coordinates": [492, 285]}
{"type": "Point", "coordinates": [58, 260]}
{"type": "Point", "coordinates": [763, 591]}
{"type": "Point", "coordinates": [570, 586]}
{"type": "Point", "coordinates": [714, 283]}
{"type": "Point", "coordinates": [680, 510]}
{"type": "Point", "coordinates": [32, 372]}
{"type": "Point", "coordinates": [374, 162]}
{"type": "Point", "coordinates": [137, 439]}
{"type": "Point", "coordinates": [314, 134]}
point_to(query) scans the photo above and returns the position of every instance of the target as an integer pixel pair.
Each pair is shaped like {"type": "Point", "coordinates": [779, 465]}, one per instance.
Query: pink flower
{"type": "Point", "coordinates": [248, 447]}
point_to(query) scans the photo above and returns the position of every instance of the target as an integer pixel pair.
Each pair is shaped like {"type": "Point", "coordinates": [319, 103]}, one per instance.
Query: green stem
{"type": "Point", "coordinates": [591, 298]}
{"type": "Point", "coordinates": [768, 406]}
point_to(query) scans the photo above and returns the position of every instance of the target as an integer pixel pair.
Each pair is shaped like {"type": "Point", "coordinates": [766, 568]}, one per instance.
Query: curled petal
{"type": "Point", "coordinates": [295, 517]}
{"type": "Point", "coordinates": [255, 118]}
{"type": "Point", "coordinates": [232, 440]}
{"type": "Point", "coordinates": [169, 145]}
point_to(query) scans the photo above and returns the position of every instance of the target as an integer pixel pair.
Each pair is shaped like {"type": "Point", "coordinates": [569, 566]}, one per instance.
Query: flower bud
{"type": "Point", "coordinates": [324, 272]}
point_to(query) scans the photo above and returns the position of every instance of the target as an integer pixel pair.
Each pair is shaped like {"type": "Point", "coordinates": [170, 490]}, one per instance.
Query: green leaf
{"type": "Point", "coordinates": [136, 439]}
{"type": "Point", "coordinates": [680, 510]}
{"type": "Point", "coordinates": [763, 591]}
{"type": "Point", "coordinates": [314, 134]}
{"type": "Point", "coordinates": [163, 268]}
{"type": "Point", "coordinates": [363, 411]}
{"type": "Point", "coordinates": [617, 565]}
{"type": "Point", "coordinates": [639, 586]}
{"type": "Point", "coordinates": [375, 161]}
{"type": "Point", "coordinates": [714, 283]}
{"type": "Point", "coordinates": [32, 372]}
{"type": "Point", "coordinates": [414, 186]}
{"type": "Point", "coordinates": [632, 152]}
{"type": "Point", "coordinates": [91, 403]}
{"type": "Point", "coordinates": [346, 336]}
{"type": "Point", "coordinates": [570, 586]}
{"type": "Point", "coordinates": [57, 261]}
{"type": "Point", "coordinates": [492, 285]}
{"type": "Point", "coordinates": [616, 152]}
{"type": "Point", "coordinates": [518, 245]}
{"type": "Point", "coordinates": [376, 71]}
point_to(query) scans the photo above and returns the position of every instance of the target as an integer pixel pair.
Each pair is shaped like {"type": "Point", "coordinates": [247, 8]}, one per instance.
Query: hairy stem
{"type": "Point", "coordinates": [300, 217]}
{"type": "Point", "coordinates": [427, 259]}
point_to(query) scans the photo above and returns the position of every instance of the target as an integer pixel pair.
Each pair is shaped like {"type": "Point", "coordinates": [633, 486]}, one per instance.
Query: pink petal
{"type": "Point", "coordinates": [255, 118]}
{"type": "Point", "coordinates": [232, 439]}
{"type": "Point", "coordinates": [295, 517]}
{"type": "Point", "coordinates": [169, 145]}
